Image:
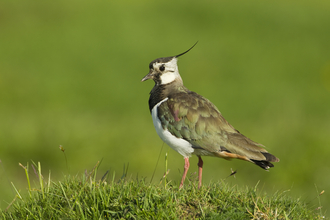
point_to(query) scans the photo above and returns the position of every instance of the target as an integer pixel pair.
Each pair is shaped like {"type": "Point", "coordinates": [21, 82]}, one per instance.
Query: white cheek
{"type": "Point", "coordinates": [167, 77]}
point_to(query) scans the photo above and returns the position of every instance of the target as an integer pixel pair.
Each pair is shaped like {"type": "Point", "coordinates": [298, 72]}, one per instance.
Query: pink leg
{"type": "Point", "coordinates": [200, 169]}
{"type": "Point", "coordinates": [185, 171]}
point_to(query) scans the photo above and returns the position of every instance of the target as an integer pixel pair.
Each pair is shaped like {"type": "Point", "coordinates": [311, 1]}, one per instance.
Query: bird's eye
{"type": "Point", "coordinates": [162, 68]}
{"type": "Point", "coordinates": [151, 66]}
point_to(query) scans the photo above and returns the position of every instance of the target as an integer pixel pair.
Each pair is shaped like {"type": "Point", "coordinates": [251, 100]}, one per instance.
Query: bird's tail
{"type": "Point", "coordinates": [264, 164]}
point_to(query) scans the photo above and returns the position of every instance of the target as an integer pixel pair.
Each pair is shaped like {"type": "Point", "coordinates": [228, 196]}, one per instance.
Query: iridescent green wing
{"type": "Point", "coordinates": [195, 119]}
{"type": "Point", "coordinates": [190, 116]}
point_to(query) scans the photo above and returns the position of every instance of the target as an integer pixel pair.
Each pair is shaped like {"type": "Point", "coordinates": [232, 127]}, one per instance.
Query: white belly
{"type": "Point", "coordinates": [180, 145]}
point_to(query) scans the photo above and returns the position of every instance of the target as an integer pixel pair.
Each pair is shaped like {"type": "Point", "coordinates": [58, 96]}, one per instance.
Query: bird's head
{"type": "Point", "coordinates": [165, 70]}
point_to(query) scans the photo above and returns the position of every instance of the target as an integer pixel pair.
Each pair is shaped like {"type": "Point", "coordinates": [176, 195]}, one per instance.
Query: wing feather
{"type": "Point", "coordinates": [192, 117]}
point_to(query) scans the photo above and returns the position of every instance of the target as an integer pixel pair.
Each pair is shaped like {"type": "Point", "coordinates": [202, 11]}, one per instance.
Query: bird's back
{"type": "Point", "coordinates": [192, 117]}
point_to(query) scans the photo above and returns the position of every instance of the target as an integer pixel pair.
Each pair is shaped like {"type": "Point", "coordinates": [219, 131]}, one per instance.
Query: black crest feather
{"type": "Point", "coordinates": [186, 51]}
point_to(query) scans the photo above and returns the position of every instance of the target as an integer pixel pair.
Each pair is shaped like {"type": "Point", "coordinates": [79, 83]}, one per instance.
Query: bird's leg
{"type": "Point", "coordinates": [185, 171]}
{"type": "Point", "coordinates": [200, 169]}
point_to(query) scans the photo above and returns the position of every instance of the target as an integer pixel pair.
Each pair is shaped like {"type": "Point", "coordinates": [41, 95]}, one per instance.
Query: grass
{"type": "Point", "coordinates": [87, 196]}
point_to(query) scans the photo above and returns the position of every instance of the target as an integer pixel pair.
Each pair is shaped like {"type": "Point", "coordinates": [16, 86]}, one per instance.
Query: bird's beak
{"type": "Point", "coordinates": [148, 76]}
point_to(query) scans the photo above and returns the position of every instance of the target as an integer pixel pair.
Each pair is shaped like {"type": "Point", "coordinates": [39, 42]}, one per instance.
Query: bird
{"type": "Point", "coordinates": [192, 125]}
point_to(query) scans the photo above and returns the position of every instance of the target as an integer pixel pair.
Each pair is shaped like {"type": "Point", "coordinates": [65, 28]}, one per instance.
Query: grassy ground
{"type": "Point", "coordinates": [70, 75]}
{"type": "Point", "coordinates": [90, 197]}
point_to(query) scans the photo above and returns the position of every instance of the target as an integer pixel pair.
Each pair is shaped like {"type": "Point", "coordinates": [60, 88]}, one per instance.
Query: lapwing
{"type": "Point", "coordinates": [192, 125]}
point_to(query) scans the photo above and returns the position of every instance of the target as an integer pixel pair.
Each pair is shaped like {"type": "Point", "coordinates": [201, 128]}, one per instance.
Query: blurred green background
{"type": "Point", "coordinates": [70, 75]}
